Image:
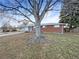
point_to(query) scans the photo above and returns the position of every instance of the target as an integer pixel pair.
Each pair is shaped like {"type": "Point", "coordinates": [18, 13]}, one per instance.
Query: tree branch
{"type": "Point", "coordinates": [25, 16]}
{"type": "Point", "coordinates": [31, 3]}
{"type": "Point", "coordinates": [40, 4]}
{"type": "Point", "coordinates": [45, 9]}
{"type": "Point", "coordinates": [24, 7]}
{"type": "Point", "coordinates": [18, 11]}
{"type": "Point", "coordinates": [53, 3]}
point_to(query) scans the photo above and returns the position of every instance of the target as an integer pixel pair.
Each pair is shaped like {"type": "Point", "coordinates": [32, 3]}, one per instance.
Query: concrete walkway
{"type": "Point", "coordinates": [9, 33]}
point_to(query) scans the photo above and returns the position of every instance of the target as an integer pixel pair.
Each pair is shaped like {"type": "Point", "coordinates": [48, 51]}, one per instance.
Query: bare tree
{"type": "Point", "coordinates": [34, 8]}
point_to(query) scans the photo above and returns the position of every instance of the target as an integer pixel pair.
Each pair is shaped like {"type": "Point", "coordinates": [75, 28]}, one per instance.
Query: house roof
{"type": "Point", "coordinates": [31, 24]}
{"type": "Point", "coordinates": [54, 24]}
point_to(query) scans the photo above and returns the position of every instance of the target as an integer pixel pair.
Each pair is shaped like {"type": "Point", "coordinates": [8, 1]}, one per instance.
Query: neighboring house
{"type": "Point", "coordinates": [53, 27]}
{"type": "Point", "coordinates": [26, 27]}
{"type": "Point", "coordinates": [7, 28]}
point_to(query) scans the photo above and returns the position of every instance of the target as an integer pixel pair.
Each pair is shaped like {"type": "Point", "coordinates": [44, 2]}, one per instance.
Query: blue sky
{"type": "Point", "coordinates": [50, 17]}
{"type": "Point", "coordinates": [53, 16]}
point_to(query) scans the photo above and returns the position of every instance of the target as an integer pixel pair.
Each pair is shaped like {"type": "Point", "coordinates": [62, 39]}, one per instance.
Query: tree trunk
{"type": "Point", "coordinates": [39, 38]}
{"type": "Point", "coordinates": [38, 30]}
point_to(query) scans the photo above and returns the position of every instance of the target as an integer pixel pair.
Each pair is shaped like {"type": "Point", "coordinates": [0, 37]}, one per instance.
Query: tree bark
{"type": "Point", "coordinates": [38, 30]}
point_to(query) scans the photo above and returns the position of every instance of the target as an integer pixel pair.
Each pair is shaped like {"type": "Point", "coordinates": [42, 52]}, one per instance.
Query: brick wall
{"type": "Point", "coordinates": [50, 28]}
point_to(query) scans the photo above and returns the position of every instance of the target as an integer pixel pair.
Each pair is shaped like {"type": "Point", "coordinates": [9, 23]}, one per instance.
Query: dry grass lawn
{"type": "Point", "coordinates": [62, 47]}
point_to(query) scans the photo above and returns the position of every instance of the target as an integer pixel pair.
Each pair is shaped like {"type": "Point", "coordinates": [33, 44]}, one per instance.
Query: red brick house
{"type": "Point", "coordinates": [52, 27]}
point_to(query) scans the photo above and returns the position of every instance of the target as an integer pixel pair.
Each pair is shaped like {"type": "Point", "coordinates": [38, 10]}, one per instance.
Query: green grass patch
{"type": "Point", "coordinates": [64, 46]}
